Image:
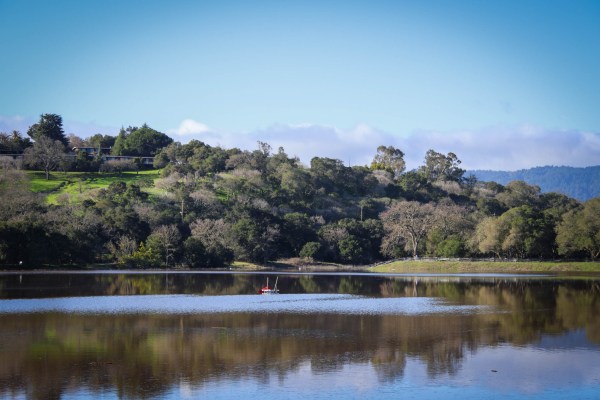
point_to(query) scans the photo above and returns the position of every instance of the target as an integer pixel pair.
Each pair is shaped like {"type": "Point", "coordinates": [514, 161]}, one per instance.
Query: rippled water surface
{"type": "Point", "coordinates": [282, 303]}
{"type": "Point", "coordinates": [72, 336]}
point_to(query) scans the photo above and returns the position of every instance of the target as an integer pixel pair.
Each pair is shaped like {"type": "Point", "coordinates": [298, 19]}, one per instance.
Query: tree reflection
{"type": "Point", "coordinates": [140, 356]}
{"type": "Point", "coordinates": [389, 364]}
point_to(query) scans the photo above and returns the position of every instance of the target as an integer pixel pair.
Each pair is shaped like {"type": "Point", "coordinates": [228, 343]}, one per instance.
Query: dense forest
{"type": "Point", "coordinates": [580, 183]}
{"type": "Point", "coordinates": [212, 206]}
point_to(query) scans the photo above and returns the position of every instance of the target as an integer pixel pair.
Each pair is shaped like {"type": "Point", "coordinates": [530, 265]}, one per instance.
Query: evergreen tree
{"type": "Point", "coordinates": [50, 126]}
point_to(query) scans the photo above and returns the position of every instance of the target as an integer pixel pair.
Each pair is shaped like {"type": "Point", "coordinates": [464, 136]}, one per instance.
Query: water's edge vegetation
{"type": "Point", "coordinates": [392, 267]}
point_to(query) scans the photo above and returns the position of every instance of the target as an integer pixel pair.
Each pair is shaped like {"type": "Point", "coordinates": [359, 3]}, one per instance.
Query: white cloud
{"type": "Point", "coordinates": [189, 127]}
{"type": "Point", "coordinates": [498, 147]}
{"type": "Point", "coordinates": [355, 146]}
{"type": "Point", "coordinates": [508, 147]}
{"type": "Point", "coordinates": [501, 147]}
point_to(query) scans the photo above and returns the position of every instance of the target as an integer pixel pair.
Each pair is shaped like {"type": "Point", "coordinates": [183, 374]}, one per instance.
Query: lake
{"type": "Point", "coordinates": [209, 335]}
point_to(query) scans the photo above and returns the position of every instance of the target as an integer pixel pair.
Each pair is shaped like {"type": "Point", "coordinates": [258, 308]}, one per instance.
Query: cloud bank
{"type": "Point", "coordinates": [498, 148]}
{"type": "Point", "coordinates": [355, 146]}
{"type": "Point", "coordinates": [506, 148]}
{"type": "Point", "coordinates": [512, 148]}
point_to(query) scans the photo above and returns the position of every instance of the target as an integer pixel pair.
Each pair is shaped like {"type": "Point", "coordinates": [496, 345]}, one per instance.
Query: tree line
{"type": "Point", "coordinates": [47, 147]}
{"type": "Point", "coordinates": [212, 206]}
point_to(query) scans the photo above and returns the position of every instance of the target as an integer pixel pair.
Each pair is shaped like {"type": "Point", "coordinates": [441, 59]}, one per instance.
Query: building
{"type": "Point", "coordinates": [106, 156]}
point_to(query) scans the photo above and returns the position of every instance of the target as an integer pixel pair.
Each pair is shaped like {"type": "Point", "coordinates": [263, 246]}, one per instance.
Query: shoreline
{"type": "Point", "coordinates": [424, 266]}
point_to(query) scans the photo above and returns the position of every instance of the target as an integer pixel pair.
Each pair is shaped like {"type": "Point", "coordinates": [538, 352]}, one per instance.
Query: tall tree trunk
{"type": "Point", "coordinates": [415, 244]}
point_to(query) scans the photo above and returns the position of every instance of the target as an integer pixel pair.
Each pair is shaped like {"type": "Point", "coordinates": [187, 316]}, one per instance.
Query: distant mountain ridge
{"type": "Point", "coordinates": [579, 183]}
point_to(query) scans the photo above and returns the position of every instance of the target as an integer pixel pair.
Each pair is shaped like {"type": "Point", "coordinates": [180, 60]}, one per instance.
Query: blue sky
{"type": "Point", "coordinates": [485, 79]}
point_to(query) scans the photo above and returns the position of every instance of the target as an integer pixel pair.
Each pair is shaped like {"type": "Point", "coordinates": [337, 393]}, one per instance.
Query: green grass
{"type": "Point", "coordinates": [428, 266]}
{"type": "Point", "coordinates": [79, 186]}
{"type": "Point", "coordinates": [437, 267]}
{"type": "Point", "coordinates": [247, 265]}
{"type": "Point", "coordinates": [38, 182]}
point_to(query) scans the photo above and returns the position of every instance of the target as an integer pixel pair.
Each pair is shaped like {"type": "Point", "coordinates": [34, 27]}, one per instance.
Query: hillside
{"type": "Point", "coordinates": [207, 207]}
{"type": "Point", "coordinates": [579, 183]}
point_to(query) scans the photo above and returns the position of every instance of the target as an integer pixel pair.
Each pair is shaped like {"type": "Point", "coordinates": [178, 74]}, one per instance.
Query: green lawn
{"type": "Point", "coordinates": [80, 185]}
{"type": "Point", "coordinates": [38, 182]}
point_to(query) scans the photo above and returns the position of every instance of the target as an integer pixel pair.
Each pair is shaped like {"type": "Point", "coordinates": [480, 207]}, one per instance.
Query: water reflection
{"type": "Point", "coordinates": [187, 304]}
{"type": "Point", "coordinates": [31, 285]}
{"type": "Point", "coordinates": [514, 337]}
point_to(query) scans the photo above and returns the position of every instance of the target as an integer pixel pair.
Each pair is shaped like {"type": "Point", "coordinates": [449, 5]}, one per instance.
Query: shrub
{"type": "Point", "coordinates": [310, 250]}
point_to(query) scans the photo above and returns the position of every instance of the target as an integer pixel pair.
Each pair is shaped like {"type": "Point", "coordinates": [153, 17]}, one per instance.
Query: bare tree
{"type": "Point", "coordinates": [451, 218]}
{"type": "Point", "coordinates": [178, 187]}
{"type": "Point", "coordinates": [46, 154]}
{"type": "Point", "coordinates": [119, 166]}
{"type": "Point", "coordinates": [8, 165]}
{"type": "Point", "coordinates": [16, 199]}
{"type": "Point", "coordinates": [212, 232]}
{"type": "Point", "coordinates": [76, 141]}
{"type": "Point", "coordinates": [122, 248]}
{"type": "Point", "coordinates": [164, 238]}
{"type": "Point", "coordinates": [408, 222]}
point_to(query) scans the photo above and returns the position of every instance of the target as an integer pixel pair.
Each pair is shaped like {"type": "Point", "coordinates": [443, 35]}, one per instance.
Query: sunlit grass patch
{"type": "Point", "coordinates": [450, 266]}
{"type": "Point", "coordinates": [247, 265]}
{"type": "Point", "coordinates": [38, 182]}
{"type": "Point", "coordinates": [78, 186]}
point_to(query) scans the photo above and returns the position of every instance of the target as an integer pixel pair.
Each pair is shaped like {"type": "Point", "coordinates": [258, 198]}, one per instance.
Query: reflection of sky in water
{"type": "Point", "coordinates": [531, 370]}
{"type": "Point", "coordinates": [559, 366]}
{"type": "Point", "coordinates": [178, 304]}
{"type": "Point", "coordinates": [521, 373]}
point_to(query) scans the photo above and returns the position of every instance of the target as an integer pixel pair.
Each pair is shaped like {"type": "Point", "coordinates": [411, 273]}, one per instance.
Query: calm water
{"type": "Point", "coordinates": [76, 336]}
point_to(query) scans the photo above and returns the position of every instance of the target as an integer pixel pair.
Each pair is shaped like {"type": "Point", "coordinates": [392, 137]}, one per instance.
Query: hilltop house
{"type": "Point", "coordinates": [106, 156]}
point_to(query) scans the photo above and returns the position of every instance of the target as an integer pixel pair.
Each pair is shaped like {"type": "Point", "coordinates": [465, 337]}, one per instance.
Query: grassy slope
{"type": "Point", "coordinates": [80, 185]}
{"type": "Point", "coordinates": [426, 266]}
{"type": "Point", "coordinates": [295, 264]}
{"type": "Point", "coordinates": [431, 267]}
